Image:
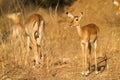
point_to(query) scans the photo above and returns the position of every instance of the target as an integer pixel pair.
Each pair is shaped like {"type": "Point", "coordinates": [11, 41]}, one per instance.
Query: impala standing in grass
{"type": "Point", "coordinates": [88, 35]}
{"type": "Point", "coordinates": [17, 28]}
{"type": "Point", "coordinates": [34, 27]}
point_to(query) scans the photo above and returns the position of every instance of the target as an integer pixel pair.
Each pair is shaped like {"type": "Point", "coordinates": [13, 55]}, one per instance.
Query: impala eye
{"type": "Point", "coordinates": [76, 19]}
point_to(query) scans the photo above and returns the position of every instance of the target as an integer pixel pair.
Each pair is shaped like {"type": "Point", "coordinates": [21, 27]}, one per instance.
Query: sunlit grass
{"type": "Point", "coordinates": [62, 57]}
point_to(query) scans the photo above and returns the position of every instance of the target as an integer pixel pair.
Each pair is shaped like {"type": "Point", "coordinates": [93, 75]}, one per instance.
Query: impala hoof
{"type": "Point", "coordinates": [82, 73]}
{"type": "Point", "coordinates": [85, 73]}
{"type": "Point", "coordinates": [96, 72]}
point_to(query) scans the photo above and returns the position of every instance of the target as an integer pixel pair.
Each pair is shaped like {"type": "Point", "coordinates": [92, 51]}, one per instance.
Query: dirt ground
{"type": "Point", "coordinates": [62, 56]}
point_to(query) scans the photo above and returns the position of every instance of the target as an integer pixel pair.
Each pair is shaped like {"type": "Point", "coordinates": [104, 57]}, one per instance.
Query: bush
{"type": "Point", "coordinates": [15, 5]}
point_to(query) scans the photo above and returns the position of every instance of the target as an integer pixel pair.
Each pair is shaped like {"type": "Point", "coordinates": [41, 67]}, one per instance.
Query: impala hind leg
{"type": "Point", "coordinates": [89, 56]}
{"type": "Point", "coordinates": [28, 50]}
{"type": "Point", "coordinates": [36, 55]}
{"type": "Point", "coordinates": [96, 66]}
{"type": "Point", "coordinates": [35, 42]}
{"type": "Point", "coordinates": [86, 59]}
{"type": "Point", "coordinates": [35, 50]}
{"type": "Point", "coordinates": [40, 41]}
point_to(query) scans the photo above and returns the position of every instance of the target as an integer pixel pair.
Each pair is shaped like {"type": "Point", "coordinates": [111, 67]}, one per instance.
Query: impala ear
{"type": "Point", "coordinates": [115, 2]}
{"type": "Point", "coordinates": [81, 14]}
{"type": "Point", "coordinates": [18, 13]}
{"type": "Point", "coordinates": [69, 15]}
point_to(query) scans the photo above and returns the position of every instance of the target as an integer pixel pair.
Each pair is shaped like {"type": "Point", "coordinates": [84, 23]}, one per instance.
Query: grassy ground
{"type": "Point", "coordinates": [62, 51]}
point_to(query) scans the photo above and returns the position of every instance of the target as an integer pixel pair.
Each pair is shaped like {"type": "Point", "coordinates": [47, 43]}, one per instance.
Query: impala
{"type": "Point", "coordinates": [17, 28]}
{"type": "Point", "coordinates": [34, 27]}
{"type": "Point", "coordinates": [88, 35]}
{"type": "Point", "coordinates": [116, 3]}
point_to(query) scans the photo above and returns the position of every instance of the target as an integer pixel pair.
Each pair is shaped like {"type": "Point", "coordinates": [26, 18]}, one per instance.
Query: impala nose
{"type": "Point", "coordinates": [81, 12]}
{"type": "Point", "coordinates": [66, 12]}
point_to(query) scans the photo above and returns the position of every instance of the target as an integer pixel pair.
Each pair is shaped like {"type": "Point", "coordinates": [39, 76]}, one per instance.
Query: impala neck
{"type": "Point", "coordinates": [79, 30]}
{"type": "Point", "coordinates": [17, 21]}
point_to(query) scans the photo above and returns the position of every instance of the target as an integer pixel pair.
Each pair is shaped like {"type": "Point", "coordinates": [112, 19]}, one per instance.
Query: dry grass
{"type": "Point", "coordinates": [62, 50]}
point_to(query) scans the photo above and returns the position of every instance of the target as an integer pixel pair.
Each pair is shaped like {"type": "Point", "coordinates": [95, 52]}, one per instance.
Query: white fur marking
{"type": "Point", "coordinates": [80, 17]}
{"type": "Point", "coordinates": [95, 44]}
{"type": "Point", "coordinates": [116, 3]}
{"type": "Point", "coordinates": [82, 41]}
{"type": "Point", "coordinates": [15, 32]}
{"type": "Point", "coordinates": [40, 32]}
{"type": "Point", "coordinates": [35, 28]}
{"type": "Point", "coordinates": [70, 15]}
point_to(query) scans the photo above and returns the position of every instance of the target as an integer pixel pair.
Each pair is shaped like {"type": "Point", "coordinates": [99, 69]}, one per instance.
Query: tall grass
{"type": "Point", "coordinates": [61, 50]}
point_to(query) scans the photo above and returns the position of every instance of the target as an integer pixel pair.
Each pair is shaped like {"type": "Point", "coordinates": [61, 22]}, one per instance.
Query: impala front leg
{"type": "Point", "coordinates": [83, 58]}
{"type": "Point", "coordinates": [86, 61]}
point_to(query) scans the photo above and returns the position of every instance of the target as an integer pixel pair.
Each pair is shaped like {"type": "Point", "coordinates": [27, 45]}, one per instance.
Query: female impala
{"type": "Point", "coordinates": [17, 28]}
{"type": "Point", "coordinates": [88, 35]}
{"type": "Point", "coordinates": [34, 27]}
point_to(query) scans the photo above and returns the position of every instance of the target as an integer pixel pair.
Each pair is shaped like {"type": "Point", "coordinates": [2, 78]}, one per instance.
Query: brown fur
{"type": "Point", "coordinates": [33, 26]}
{"type": "Point", "coordinates": [88, 34]}
{"type": "Point", "coordinates": [18, 30]}
{"type": "Point", "coordinates": [88, 31]}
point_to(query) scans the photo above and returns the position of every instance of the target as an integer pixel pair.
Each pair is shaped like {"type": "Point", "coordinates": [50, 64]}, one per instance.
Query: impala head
{"type": "Point", "coordinates": [116, 3]}
{"type": "Point", "coordinates": [14, 17]}
{"type": "Point", "coordinates": [74, 19]}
